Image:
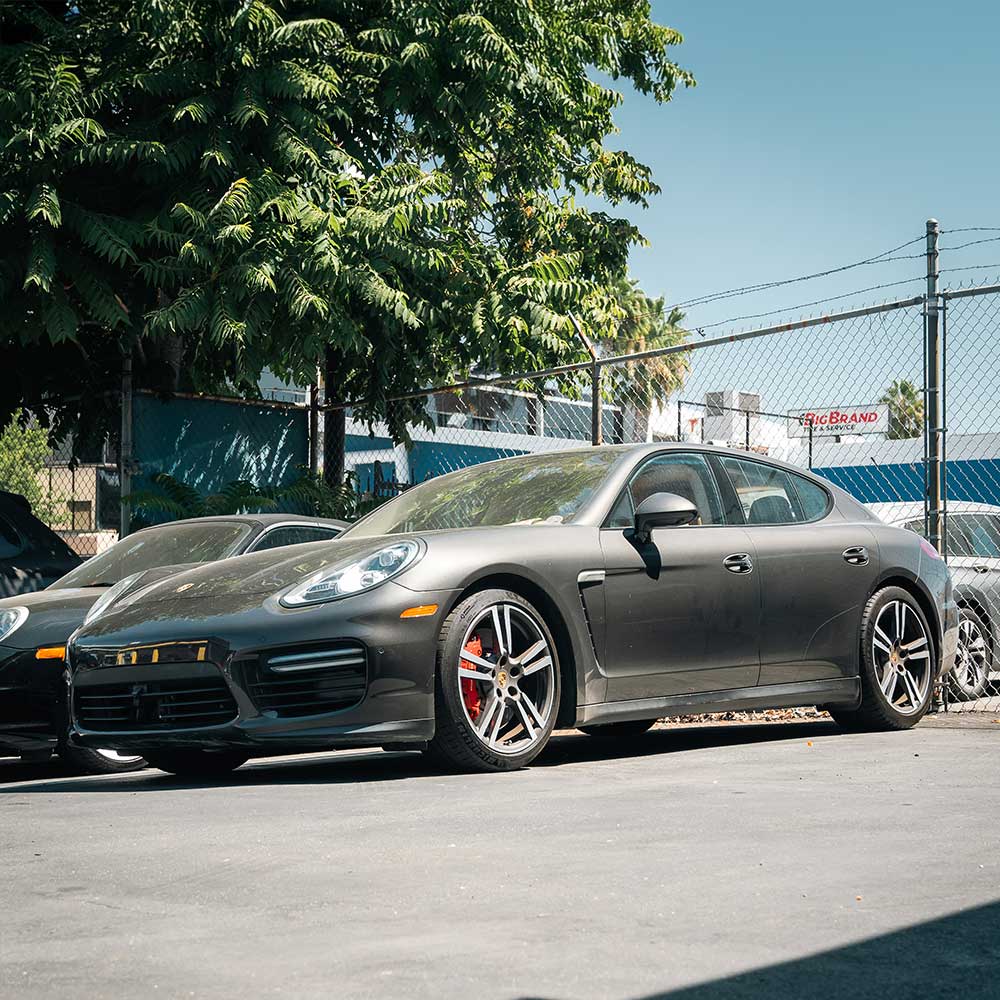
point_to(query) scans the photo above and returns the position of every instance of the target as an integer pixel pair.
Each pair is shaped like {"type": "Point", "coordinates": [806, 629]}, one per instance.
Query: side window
{"type": "Point", "coordinates": [767, 495]}
{"type": "Point", "coordinates": [686, 474]}
{"type": "Point", "coordinates": [622, 514]}
{"type": "Point", "coordinates": [10, 541]}
{"type": "Point", "coordinates": [814, 501]}
{"type": "Point", "coordinates": [294, 535]}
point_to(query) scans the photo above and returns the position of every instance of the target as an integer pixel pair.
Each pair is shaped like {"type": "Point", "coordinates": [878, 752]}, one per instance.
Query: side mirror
{"type": "Point", "coordinates": [662, 510]}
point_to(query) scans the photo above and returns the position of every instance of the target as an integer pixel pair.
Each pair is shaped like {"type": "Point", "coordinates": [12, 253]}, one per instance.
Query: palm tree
{"type": "Point", "coordinates": [906, 409]}
{"type": "Point", "coordinates": [640, 324]}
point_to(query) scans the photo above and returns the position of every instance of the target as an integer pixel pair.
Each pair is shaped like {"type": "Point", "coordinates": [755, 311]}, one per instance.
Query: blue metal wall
{"type": "Point", "coordinates": [207, 444]}
{"type": "Point", "coordinates": [976, 480]}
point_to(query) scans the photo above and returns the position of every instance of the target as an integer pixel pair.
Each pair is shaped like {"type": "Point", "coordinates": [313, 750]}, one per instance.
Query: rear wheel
{"type": "Point", "coordinates": [198, 763]}
{"type": "Point", "coordinates": [897, 664]}
{"type": "Point", "coordinates": [100, 761]}
{"type": "Point", "coordinates": [973, 657]}
{"type": "Point", "coordinates": [619, 730]}
{"type": "Point", "coordinates": [497, 685]}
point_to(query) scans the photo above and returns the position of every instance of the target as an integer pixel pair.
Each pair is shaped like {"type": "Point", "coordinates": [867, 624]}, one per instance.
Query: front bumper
{"type": "Point", "coordinates": [949, 638]}
{"type": "Point", "coordinates": [32, 702]}
{"type": "Point", "coordinates": [265, 680]}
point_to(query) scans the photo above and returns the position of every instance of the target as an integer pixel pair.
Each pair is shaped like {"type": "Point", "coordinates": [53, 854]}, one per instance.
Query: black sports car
{"type": "Point", "coordinates": [600, 588]}
{"type": "Point", "coordinates": [32, 555]}
{"type": "Point", "coordinates": [34, 628]}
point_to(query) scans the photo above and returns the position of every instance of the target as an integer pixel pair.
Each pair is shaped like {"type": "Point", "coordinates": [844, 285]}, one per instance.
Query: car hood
{"type": "Point", "coordinates": [254, 575]}
{"type": "Point", "coordinates": [52, 615]}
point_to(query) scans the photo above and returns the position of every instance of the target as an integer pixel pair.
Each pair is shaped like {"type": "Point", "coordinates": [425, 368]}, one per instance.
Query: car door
{"type": "Point", "coordinates": [678, 620]}
{"type": "Point", "coordinates": [816, 571]}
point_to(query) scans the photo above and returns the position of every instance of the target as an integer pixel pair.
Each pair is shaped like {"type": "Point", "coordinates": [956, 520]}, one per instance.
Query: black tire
{"type": "Point", "coordinates": [198, 763]}
{"type": "Point", "coordinates": [966, 689]}
{"type": "Point", "coordinates": [876, 713]}
{"type": "Point", "coordinates": [88, 761]}
{"type": "Point", "coordinates": [455, 742]}
{"type": "Point", "coordinates": [619, 730]}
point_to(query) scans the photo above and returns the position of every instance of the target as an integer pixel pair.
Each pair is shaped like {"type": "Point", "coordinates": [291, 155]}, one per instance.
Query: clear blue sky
{"type": "Point", "coordinates": [818, 134]}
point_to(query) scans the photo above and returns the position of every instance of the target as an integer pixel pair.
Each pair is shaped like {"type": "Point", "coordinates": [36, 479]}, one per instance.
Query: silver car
{"type": "Point", "coordinates": [973, 551]}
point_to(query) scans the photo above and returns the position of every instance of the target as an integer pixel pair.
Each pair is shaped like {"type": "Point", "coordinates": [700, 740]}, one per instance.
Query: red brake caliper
{"type": "Point", "coordinates": [470, 693]}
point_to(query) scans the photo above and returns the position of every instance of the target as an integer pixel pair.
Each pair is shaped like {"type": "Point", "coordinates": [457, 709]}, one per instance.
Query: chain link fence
{"type": "Point", "coordinates": [971, 487]}
{"type": "Point", "coordinates": [846, 395]}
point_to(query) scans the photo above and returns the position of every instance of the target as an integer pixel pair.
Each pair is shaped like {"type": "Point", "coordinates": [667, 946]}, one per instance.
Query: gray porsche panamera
{"type": "Point", "coordinates": [471, 615]}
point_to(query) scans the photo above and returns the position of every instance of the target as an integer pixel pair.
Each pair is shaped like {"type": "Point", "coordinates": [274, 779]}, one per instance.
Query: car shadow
{"type": "Point", "coordinates": [564, 750]}
{"type": "Point", "coordinates": [953, 956]}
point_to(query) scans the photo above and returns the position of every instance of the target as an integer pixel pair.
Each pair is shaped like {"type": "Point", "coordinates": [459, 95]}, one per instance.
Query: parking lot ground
{"type": "Point", "coordinates": [747, 861]}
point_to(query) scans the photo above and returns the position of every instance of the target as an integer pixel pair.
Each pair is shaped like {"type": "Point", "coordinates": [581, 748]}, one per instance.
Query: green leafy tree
{"type": "Point", "coordinates": [906, 409]}
{"type": "Point", "coordinates": [388, 189]}
{"type": "Point", "coordinates": [23, 453]}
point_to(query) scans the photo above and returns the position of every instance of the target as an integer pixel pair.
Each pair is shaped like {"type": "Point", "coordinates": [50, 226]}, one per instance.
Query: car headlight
{"type": "Point", "coordinates": [109, 597]}
{"type": "Point", "coordinates": [344, 579]}
{"type": "Point", "coordinates": [11, 619]}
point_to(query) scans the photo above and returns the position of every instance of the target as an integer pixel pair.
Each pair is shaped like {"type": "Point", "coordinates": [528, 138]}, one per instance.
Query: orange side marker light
{"type": "Point", "coordinates": [420, 611]}
{"type": "Point", "coordinates": [51, 653]}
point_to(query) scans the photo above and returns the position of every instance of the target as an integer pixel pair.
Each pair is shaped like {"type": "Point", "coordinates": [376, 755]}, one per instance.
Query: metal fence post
{"type": "Point", "coordinates": [313, 429]}
{"type": "Point", "coordinates": [596, 428]}
{"type": "Point", "coordinates": [596, 422]}
{"type": "Point", "coordinates": [934, 431]}
{"type": "Point", "coordinates": [125, 445]}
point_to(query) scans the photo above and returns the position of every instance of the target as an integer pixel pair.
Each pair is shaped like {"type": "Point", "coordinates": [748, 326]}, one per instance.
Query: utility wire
{"type": "Point", "coordinates": [882, 258]}
{"type": "Point", "coordinates": [806, 305]}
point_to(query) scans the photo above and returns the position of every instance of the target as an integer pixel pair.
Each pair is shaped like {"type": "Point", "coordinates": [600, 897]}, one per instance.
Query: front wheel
{"type": "Point", "coordinates": [897, 664]}
{"type": "Point", "coordinates": [497, 684]}
{"type": "Point", "coordinates": [198, 763]}
{"type": "Point", "coordinates": [88, 761]}
{"type": "Point", "coordinates": [973, 657]}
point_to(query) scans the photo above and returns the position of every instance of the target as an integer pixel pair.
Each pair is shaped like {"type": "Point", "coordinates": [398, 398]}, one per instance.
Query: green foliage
{"type": "Point", "coordinates": [23, 451]}
{"type": "Point", "coordinates": [906, 410]}
{"type": "Point", "coordinates": [220, 187]}
{"type": "Point", "coordinates": [173, 499]}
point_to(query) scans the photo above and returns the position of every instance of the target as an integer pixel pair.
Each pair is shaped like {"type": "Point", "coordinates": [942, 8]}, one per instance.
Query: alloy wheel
{"type": "Point", "coordinates": [971, 657]}
{"type": "Point", "coordinates": [902, 657]}
{"type": "Point", "coordinates": [507, 678]}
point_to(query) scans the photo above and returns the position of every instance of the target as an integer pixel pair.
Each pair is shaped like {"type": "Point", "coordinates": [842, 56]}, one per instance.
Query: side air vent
{"type": "Point", "coordinates": [308, 681]}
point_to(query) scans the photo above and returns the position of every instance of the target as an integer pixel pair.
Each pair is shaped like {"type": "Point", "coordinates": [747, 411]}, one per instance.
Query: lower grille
{"type": "Point", "coordinates": [174, 704]}
{"type": "Point", "coordinates": [308, 681]}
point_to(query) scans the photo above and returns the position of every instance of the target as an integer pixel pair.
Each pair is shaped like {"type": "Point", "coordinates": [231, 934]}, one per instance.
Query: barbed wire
{"type": "Point", "coordinates": [971, 243]}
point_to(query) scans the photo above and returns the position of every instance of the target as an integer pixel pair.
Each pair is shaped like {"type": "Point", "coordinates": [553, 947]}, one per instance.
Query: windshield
{"type": "Point", "coordinates": [533, 489]}
{"type": "Point", "coordinates": [166, 545]}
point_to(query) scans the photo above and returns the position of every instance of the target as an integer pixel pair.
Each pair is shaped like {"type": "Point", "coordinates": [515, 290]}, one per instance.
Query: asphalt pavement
{"type": "Point", "coordinates": [744, 861]}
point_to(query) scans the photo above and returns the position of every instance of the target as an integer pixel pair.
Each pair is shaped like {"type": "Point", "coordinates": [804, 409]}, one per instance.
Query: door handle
{"type": "Point", "coordinates": [980, 568]}
{"type": "Point", "coordinates": [856, 555]}
{"type": "Point", "coordinates": [738, 562]}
